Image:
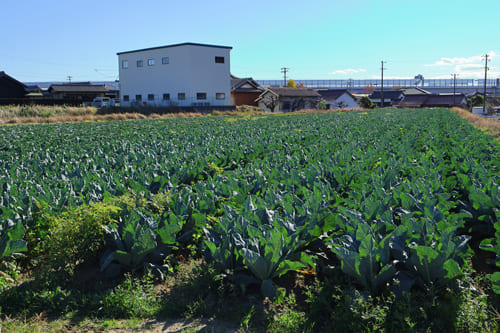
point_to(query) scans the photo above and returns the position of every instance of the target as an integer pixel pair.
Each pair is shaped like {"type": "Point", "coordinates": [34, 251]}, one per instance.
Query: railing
{"type": "Point", "coordinates": [349, 83]}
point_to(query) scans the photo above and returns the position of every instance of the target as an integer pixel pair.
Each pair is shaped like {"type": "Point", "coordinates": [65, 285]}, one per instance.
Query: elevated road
{"type": "Point", "coordinates": [467, 86]}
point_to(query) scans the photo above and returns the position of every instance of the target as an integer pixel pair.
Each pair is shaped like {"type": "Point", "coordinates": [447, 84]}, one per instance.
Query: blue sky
{"type": "Point", "coordinates": [317, 39]}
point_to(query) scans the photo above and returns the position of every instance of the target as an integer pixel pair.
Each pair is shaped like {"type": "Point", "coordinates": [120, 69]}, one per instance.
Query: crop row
{"type": "Point", "coordinates": [390, 196]}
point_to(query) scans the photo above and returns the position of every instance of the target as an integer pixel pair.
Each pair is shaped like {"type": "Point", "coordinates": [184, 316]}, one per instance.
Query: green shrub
{"type": "Point", "coordinates": [135, 297]}
{"type": "Point", "coordinates": [76, 236]}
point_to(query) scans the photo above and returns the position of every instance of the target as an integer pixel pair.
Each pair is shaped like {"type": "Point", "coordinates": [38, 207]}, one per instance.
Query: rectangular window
{"type": "Point", "coordinates": [138, 98]}
{"type": "Point", "coordinates": [166, 97]}
{"type": "Point", "coordinates": [151, 62]}
{"type": "Point", "coordinates": [220, 96]}
{"type": "Point", "coordinates": [164, 60]}
{"type": "Point", "coordinates": [140, 63]}
{"type": "Point", "coordinates": [124, 64]}
{"type": "Point", "coordinates": [126, 98]}
{"type": "Point", "coordinates": [201, 96]}
{"type": "Point", "coordinates": [181, 96]}
{"type": "Point", "coordinates": [219, 60]}
{"type": "Point", "coordinates": [151, 97]}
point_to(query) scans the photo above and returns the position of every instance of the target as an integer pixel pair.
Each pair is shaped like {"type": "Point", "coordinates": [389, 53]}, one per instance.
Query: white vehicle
{"type": "Point", "coordinates": [100, 102]}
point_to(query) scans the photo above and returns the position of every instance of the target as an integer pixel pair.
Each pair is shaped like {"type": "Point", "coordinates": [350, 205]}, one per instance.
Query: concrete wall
{"type": "Point", "coordinates": [191, 69]}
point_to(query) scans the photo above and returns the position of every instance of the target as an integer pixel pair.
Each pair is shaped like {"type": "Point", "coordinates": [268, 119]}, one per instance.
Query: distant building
{"type": "Point", "coordinates": [10, 87]}
{"type": "Point", "coordinates": [434, 100]}
{"type": "Point", "coordinates": [391, 97]}
{"type": "Point", "coordinates": [187, 74]}
{"type": "Point", "coordinates": [245, 91]}
{"type": "Point", "coordinates": [339, 99]}
{"type": "Point", "coordinates": [288, 99]}
{"type": "Point", "coordinates": [82, 91]}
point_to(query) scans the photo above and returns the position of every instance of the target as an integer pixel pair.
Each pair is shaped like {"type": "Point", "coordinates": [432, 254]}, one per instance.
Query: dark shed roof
{"type": "Point", "coordinates": [10, 87]}
{"type": "Point", "coordinates": [435, 100]}
{"type": "Point", "coordinates": [389, 94]}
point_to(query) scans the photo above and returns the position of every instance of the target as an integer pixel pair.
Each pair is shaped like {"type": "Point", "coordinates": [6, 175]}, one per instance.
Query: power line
{"type": "Point", "coordinates": [284, 70]}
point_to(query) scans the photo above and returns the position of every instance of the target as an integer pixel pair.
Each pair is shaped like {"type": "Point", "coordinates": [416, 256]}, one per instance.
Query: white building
{"type": "Point", "coordinates": [187, 74]}
{"type": "Point", "coordinates": [339, 99]}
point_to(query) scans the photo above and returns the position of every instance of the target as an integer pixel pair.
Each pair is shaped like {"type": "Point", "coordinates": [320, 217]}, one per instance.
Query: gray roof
{"type": "Point", "coordinates": [334, 93]}
{"type": "Point", "coordinates": [238, 84]}
{"type": "Point", "coordinates": [388, 94]}
{"type": "Point", "coordinates": [443, 100]}
{"type": "Point", "coordinates": [295, 92]}
{"type": "Point", "coordinates": [415, 91]}
{"type": "Point", "coordinates": [176, 45]}
{"type": "Point", "coordinates": [78, 88]}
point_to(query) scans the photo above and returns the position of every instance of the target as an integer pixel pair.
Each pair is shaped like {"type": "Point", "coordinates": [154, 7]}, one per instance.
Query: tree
{"type": "Point", "coordinates": [322, 104]}
{"type": "Point", "coordinates": [342, 105]}
{"type": "Point", "coordinates": [291, 84]}
{"type": "Point", "coordinates": [477, 100]}
{"type": "Point", "coordinates": [270, 100]}
{"type": "Point", "coordinates": [367, 103]}
{"type": "Point", "coordinates": [369, 89]}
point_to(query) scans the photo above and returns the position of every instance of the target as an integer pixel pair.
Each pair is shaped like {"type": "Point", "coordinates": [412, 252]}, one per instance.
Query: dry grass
{"type": "Point", "coordinates": [37, 114]}
{"type": "Point", "coordinates": [488, 125]}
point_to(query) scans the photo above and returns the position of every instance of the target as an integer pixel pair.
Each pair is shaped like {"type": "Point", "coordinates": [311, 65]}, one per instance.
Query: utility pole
{"type": "Point", "coordinates": [485, 78]}
{"type": "Point", "coordinates": [454, 87]}
{"type": "Point", "coordinates": [382, 86]}
{"type": "Point", "coordinates": [284, 70]}
{"type": "Point", "coordinates": [69, 79]}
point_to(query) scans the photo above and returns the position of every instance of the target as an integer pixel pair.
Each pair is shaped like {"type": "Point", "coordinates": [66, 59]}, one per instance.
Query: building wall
{"type": "Point", "coordinates": [191, 69]}
{"type": "Point", "coordinates": [245, 98]}
{"type": "Point", "coordinates": [345, 99]}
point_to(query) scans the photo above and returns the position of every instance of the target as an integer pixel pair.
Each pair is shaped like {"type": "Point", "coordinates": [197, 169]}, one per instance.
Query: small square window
{"type": "Point", "coordinates": [220, 96]}
{"type": "Point", "coordinates": [201, 96]}
{"type": "Point", "coordinates": [138, 98]}
{"type": "Point", "coordinates": [151, 62]}
{"type": "Point", "coordinates": [164, 60]}
{"type": "Point", "coordinates": [166, 97]}
{"type": "Point", "coordinates": [181, 96]}
{"type": "Point", "coordinates": [219, 60]}
{"type": "Point", "coordinates": [126, 98]}
{"type": "Point", "coordinates": [151, 97]}
{"type": "Point", "coordinates": [140, 63]}
{"type": "Point", "coordinates": [124, 64]}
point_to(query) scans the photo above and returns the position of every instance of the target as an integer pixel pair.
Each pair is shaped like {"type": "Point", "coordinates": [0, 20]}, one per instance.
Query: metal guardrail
{"type": "Point", "coordinates": [429, 83]}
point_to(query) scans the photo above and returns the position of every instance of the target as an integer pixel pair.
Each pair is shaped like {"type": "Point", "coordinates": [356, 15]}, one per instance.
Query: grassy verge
{"type": "Point", "coordinates": [488, 125]}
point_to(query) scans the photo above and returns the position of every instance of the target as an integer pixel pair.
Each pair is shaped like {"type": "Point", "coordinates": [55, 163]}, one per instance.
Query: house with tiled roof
{"type": "Point", "coordinates": [434, 100]}
{"type": "Point", "coordinates": [244, 91]}
{"type": "Point", "coordinates": [288, 99]}
{"type": "Point", "coordinates": [391, 97]}
{"type": "Point", "coordinates": [82, 91]}
{"type": "Point", "coordinates": [338, 99]}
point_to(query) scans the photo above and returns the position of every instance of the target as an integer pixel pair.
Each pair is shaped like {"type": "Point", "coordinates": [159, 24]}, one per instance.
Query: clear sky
{"type": "Point", "coordinates": [317, 39]}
